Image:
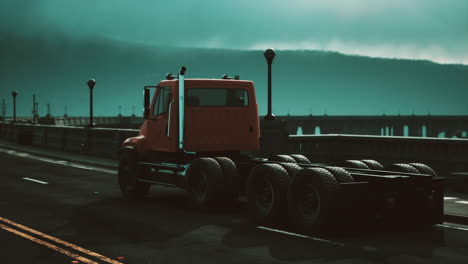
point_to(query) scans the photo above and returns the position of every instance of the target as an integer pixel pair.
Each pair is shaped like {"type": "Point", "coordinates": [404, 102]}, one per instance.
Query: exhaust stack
{"type": "Point", "coordinates": [181, 106]}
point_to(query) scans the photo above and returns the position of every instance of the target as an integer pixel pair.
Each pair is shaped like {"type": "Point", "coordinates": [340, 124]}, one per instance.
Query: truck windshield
{"type": "Point", "coordinates": [217, 97]}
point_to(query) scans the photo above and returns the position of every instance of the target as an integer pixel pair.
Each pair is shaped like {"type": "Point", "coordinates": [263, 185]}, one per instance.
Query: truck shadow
{"type": "Point", "coordinates": [165, 216]}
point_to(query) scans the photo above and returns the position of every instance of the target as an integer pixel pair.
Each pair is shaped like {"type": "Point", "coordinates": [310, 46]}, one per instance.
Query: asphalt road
{"type": "Point", "coordinates": [62, 214]}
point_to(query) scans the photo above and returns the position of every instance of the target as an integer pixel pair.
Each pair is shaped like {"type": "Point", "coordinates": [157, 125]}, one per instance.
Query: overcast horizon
{"type": "Point", "coordinates": [418, 29]}
{"type": "Point", "coordinates": [51, 47]}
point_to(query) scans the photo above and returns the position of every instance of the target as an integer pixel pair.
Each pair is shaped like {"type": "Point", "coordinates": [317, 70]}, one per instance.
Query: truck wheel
{"type": "Point", "coordinates": [291, 168]}
{"type": "Point", "coordinates": [231, 176]}
{"type": "Point", "coordinates": [311, 195]}
{"type": "Point", "coordinates": [282, 158]}
{"type": "Point", "coordinates": [340, 174]}
{"type": "Point", "coordinates": [424, 169]}
{"type": "Point", "coordinates": [373, 164]}
{"type": "Point", "coordinates": [355, 164]}
{"type": "Point", "coordinates": [267, 187]}
{"type": "Point", "coordinates": [403, 167]}
{"type": "Point", "coordinates": [299, 158]}
{"type": "Point", "coordinates": [205, 182]}
{"type": "Point", "coordinates": [128, 173]}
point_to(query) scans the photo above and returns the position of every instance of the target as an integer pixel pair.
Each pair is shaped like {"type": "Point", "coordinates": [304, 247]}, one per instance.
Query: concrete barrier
{"type": "Point", "coordinates": [445, 155]}
{"type": "Point", "coordinates": [99, 142]}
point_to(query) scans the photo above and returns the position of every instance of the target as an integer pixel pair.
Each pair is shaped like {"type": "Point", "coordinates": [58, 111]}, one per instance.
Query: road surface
{"type": "Point", "coordinates": [53, 213]}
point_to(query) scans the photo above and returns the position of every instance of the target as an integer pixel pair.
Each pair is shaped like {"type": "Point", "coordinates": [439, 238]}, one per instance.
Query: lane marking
{"type": "Point", "coordinates": [453, 227]}
{"type": "Point", "coordinates": [450, 198]}
{"type": "Point", "coordinates": [34, 180]}
{"type": "Point", "coordinates": [59, 162]}
{"type": "Point", "coordinates": [41, 242]}
{"type": "Point", "coordinates": [301, 236]}
{"type": "Point", "coordinates": [462, 202]}
{"type": "Point", "coordinates": [59, 241]}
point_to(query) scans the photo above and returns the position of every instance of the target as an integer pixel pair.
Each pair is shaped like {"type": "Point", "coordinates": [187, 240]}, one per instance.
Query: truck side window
{"type": "Point", "coordinates": [162, 102]}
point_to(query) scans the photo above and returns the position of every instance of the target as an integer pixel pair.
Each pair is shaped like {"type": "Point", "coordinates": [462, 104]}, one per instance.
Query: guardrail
{"type": "Point", "coordinates": [100, 142]}
{"type": "Point", "coordinates": [334, 147]}
{"type": "Point", "coordinates": [105, 142]}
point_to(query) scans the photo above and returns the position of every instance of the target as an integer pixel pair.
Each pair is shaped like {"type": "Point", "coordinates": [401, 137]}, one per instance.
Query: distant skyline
{"type": "Point", "coordinates": [417, 29]}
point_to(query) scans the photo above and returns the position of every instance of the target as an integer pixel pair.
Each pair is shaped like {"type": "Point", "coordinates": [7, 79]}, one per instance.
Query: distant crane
{"type": "Point", "coordinates": [3, 108]}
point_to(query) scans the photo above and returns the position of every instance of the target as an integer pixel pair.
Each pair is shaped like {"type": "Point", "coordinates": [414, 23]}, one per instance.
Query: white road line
{"type": "Point", "coordinates": [450, 198]}
{"type": "Point", "coordinates": [59, 162]}
{"type": "Point", "coordinates": [462, 202]}
{"type": "Point", "coordinates": [301, 236]}
{"type": "Point", "coordinates": [453, 227]}
{"type": "Point", "coordinates": [34, 180]}
{"type": "Point", "coordinates": [75, 165]}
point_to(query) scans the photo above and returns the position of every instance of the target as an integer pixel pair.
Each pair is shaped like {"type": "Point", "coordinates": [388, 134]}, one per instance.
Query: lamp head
{"type": "Point", "coordinates": [91, 83]}
{"type": "Point", "coordinates": [269, 55]}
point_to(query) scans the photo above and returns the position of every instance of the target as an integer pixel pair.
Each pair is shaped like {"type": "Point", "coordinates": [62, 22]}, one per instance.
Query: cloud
{"type": "Point", "coordinates": [433, 52]}
{"type": "Point", "coordinates": [416, 29]}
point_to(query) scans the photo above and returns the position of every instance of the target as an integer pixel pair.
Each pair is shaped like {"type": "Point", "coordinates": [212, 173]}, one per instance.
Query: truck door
{"type": "Point", "coordinates": [158, 125]}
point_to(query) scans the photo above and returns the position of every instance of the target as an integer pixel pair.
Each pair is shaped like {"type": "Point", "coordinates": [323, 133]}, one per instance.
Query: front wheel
{"type": "Point", "coordinates": [128, 174]}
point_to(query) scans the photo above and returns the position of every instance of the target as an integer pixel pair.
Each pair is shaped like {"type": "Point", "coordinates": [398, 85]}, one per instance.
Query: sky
{"type": "Point", "coordinates": [434, 30]}
{"type": "Point", "coordinates": [51, 47]}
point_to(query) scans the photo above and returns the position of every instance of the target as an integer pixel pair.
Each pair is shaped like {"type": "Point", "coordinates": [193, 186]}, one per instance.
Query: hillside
{"type": "Point", "coordinates": [56, 69]}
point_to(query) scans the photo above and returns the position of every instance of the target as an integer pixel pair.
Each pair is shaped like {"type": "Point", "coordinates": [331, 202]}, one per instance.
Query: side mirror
{"type": "Point", "coordinates": [146, 103]}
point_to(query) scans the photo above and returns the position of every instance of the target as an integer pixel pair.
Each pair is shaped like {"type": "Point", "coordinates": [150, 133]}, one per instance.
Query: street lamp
{"type": "Point", "coordinates": [269, 56]}
{"type": "Point", "coordinates": [14, 94]}
{"type": "Point", "coordinates": [91, 83]}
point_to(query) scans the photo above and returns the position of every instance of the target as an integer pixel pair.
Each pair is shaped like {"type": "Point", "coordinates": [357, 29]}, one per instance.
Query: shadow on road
{"type": "Point", "coordinates": [165, 216]}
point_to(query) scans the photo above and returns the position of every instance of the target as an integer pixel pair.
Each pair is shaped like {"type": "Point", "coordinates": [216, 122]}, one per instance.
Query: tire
{"type": "Point", "coordinates": [355, 164]}
{"type": "Point", "coordinates": [267, 187]}
{"type": "Point", "coordinates": [311, 199]}
{"type": "Point", "coordinates": [424, 169]}
{"type": "Point", "coordinates": [291, 168]}
{"type": "Point", "coordinates": [205, 183]}
{"type": "Point", "coordinates": [282, 158]}
{"type": "Point", "coordinates": [231, 177]}
{"type": "Point", "coordinates": [403, 167]}
{"type": "Point", "coordinates": [341, 175]}
{"type": "Point", "coordinates": [373, 164]}
{"type": "Point", "coordinates": [128, 173]}
{"type": "Point", "coordinates": [299, 158]}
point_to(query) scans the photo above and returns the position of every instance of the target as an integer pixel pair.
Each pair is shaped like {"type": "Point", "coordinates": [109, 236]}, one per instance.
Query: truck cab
{"type": "Point", "coordinates": [218, 115]}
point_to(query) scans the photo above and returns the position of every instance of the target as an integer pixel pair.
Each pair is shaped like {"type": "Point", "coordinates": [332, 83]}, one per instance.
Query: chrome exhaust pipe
{"type": "Point", "coordinates": [181, 106]}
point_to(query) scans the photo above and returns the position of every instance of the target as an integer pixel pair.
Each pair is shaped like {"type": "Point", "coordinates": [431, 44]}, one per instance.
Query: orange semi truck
{"type": "Point", "coordinates": [196, 135]}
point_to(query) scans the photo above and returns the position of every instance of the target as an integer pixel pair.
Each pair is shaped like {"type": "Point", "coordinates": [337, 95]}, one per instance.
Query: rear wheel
{"type": "Point", "coordinates": [403, 167]}
{"type": "Point", "coordinates": [424, 169]}
{"type": "Point", "coordinates": [129, 172]}
{"type": "Point", "coordinates": [205, 183]}
{"type": "Point", "coordinates": [291, 168]}
{"type": "Point", "coordinates": [267, 187]}
{"type": "Point", "coordinates": [356, 164]}
{"type": "Point", "coordinates": [282, 158]}
{"type": "Point", "coordinates": [341, 175]}
{"type": "Point", "coordinates": [299, 158]}
{"type": "Point", "coordinates": [373, 164]}
{"type": "Point", "coordinates": [311, 195]}
{"type": "Point", "coordinates": [231, 177]}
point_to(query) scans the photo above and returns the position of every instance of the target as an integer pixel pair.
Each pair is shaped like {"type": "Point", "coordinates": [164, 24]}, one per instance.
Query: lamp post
{"type": "Point", "coordinates": [14, 94]}
{"type": "Point", "coordinates": [269, 56]}
{"type": "Point", "coordinates": [91, 83]}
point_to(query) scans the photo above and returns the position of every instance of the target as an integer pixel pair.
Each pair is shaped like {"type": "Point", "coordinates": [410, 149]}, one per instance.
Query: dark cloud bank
{"type": "Point", "coordinates": [56, 69]}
